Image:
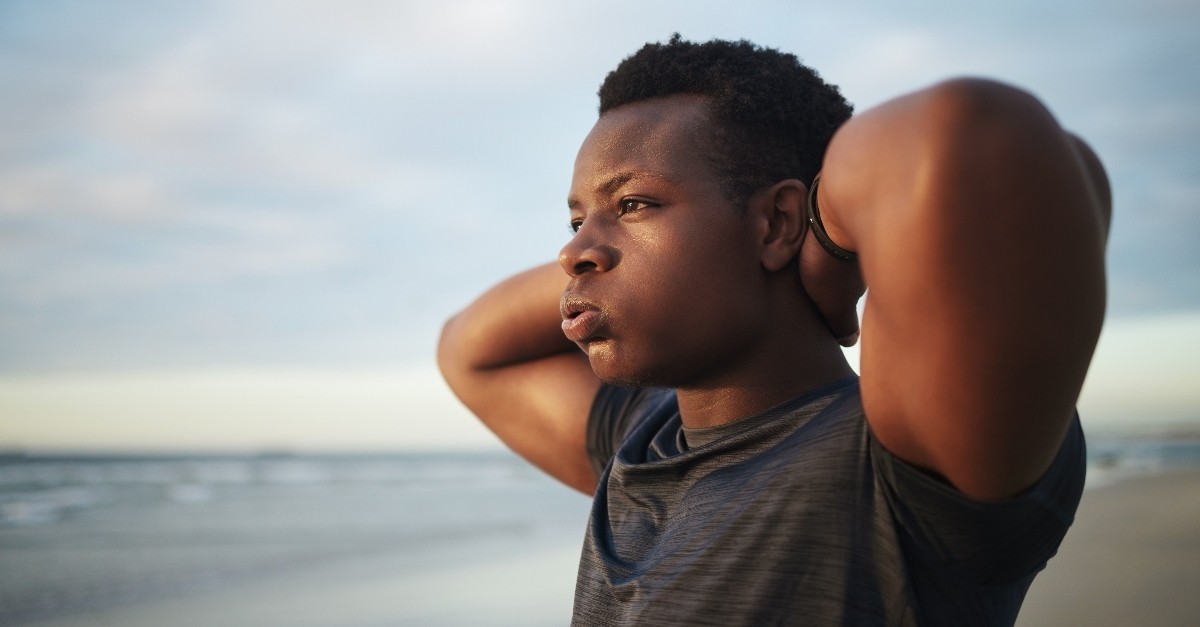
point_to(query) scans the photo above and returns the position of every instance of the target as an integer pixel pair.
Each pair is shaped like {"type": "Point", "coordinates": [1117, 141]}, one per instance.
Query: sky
{"type": "Point", "coordinates": [240, 225]}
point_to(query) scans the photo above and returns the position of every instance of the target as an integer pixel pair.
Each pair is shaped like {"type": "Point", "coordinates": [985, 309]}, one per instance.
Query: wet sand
{"type": "Point", "coordinates": [1132, 558]}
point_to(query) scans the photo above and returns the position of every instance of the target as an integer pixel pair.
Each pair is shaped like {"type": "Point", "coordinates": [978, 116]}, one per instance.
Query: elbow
{"type": "Point", "coordinates": [450, 356]}
{"type": "Point", "coordinates": [988, 139]}
{"type": "Point", "coordinates": [936, 139]}
{"type": "Point", "coordinates": [1097, 182]}
{"type": "Point", "coordinates": [1000, 122]}
{"type": "Point", "coordinates": [985, 128]}
{"type": "Point", "coordinates": [457, 358]}
{"type": "Point", "coordinates": [971, 101]}
{"type": "Point", "coordinates": [981, 122]}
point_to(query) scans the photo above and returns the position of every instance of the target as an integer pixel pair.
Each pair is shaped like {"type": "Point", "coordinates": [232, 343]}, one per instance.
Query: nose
{"type": "Point", "coordinates": [585, 253]}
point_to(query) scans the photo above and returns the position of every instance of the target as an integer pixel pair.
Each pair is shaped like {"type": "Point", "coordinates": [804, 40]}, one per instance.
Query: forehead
{"type": "Point", "coordinates": [662, 137]}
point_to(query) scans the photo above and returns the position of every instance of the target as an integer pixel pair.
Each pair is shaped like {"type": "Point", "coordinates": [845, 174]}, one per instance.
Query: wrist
{"type": "Point", "coordinates": [818, 227]}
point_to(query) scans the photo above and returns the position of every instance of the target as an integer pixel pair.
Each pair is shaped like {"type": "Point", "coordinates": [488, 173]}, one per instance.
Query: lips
{"type": "Point", "coordinates": [581, 319]}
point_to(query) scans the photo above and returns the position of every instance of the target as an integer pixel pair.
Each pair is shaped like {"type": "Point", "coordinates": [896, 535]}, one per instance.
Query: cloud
{"type": "Point", "coordinates": [88, 232]}
{"type": "Point", "coordinates": [381, 162]}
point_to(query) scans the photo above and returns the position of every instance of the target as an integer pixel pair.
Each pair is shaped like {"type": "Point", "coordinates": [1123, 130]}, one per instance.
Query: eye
{"type": "Point", "coordinates": [630, 205]}
{"type": "Point", "coordinates": [575, 224]}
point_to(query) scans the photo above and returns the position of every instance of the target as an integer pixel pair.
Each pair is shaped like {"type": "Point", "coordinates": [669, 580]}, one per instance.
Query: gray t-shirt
{"type": "Point", "coordinates": [798, 516]}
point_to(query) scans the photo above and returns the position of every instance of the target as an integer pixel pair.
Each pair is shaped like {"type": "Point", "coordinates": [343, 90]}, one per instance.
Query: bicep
{"type": "Point", "coordinates": [986, 279]}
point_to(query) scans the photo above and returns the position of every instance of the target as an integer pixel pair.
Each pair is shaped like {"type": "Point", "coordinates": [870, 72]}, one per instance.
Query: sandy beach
{"type": "Point", "coordinates": [1131, 559]}
{"type": "Point", "coordinates": [375, 591]}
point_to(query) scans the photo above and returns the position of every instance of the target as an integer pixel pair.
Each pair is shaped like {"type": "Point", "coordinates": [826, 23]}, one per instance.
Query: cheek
{"type": "Point", "coordinates": [679, 299]}
{"type": "Point", "coordinates": [705, 276]}
{"type": "Point", "coordinates": [697, 294]}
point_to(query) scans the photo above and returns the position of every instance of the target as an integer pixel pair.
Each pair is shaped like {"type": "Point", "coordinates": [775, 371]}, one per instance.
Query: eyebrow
{"type": "Point", "coordinates": [615, 182]}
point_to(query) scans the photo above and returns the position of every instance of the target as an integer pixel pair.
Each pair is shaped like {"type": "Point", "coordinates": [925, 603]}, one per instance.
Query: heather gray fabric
{"type": "Point", "coordinates": [797, 516]}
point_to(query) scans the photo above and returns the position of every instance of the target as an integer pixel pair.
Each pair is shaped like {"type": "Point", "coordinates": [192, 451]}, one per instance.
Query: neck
{"type": "Point", "coordinates": [788, 364]}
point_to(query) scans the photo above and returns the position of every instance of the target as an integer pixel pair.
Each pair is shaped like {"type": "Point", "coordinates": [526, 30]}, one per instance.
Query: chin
{"type": "Point", "coordinates": [620, 377]}
{"type": "Point", "coordinates": [630, 381]}
{"type": "Point", "coordinates": [628, 372]}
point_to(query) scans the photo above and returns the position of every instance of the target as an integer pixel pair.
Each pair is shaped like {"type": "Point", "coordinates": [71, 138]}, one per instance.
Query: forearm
{"type": "Point", "coordinates": [516, 321]}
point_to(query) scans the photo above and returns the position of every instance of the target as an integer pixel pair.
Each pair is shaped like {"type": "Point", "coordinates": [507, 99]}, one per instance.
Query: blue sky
{"type": "Point", "coordinates": [237, 225]}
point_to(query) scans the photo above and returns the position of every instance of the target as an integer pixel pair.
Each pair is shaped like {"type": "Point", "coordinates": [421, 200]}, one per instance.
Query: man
{"type": "Point", "coordinates": [681, 361]}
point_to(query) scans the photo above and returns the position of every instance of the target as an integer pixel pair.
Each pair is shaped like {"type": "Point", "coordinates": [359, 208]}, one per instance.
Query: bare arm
{"type": "Point", "coordinates": [507, 360]}
{"type": "Point", "coordinates": [980, 227]}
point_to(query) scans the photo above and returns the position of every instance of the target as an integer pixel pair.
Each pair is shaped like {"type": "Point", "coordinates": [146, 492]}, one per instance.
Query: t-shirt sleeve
{"type": "Point", "coordinates": [986, 542]}
{"type": "Point", "coordinates": [615, 412]}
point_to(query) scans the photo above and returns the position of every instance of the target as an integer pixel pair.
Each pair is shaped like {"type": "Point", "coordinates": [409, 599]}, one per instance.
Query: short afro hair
{"type": "Point", "coordinates": [772, 116]}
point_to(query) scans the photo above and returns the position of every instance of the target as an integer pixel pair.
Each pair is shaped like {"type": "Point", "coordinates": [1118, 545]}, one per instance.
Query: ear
{"type": "Point", "coordinates": [784, 221]}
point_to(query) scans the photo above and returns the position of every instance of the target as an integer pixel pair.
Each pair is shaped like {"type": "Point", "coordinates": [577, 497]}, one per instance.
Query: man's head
{"type": "Point", "coordinates": [669, 285]}
{"type": "Point", "coordinates": [770, 116]}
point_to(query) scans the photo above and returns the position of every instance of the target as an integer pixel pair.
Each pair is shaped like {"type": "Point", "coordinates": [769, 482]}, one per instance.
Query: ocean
{"type": "Point", "coordinates": [296, 540]}
{"type": "Point", "coordinates": [403, 539]}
